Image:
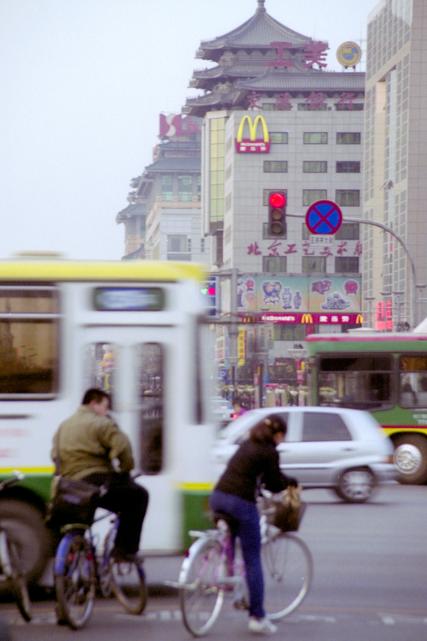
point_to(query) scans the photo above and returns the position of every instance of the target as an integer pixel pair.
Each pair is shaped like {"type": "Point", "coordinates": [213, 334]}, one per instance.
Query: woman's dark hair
{"type": "Point", "coordinates": [264, 430]}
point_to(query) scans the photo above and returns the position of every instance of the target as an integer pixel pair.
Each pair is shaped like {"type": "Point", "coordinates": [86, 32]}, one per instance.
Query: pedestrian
{"type": "Point", "coordinates": [238, 409]}
{"type": "Point", "coordinates": [90, 446]}
{"type": "Point", "coordinates": [256, 461]}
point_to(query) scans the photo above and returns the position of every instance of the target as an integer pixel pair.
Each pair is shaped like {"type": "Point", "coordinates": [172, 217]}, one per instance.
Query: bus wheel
{"type": "Point", "coordinates": [410, 457]}
{"type": "Point", "coordinates": [25, 527]}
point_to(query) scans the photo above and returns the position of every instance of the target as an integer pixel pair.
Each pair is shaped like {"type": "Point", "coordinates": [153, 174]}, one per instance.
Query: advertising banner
{"type": "Point", "coordinates": [302, 294]}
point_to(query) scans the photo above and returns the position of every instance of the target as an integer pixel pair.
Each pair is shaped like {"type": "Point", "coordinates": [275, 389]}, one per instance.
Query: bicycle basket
{"type": "Point", "coordinates": [287, 510]}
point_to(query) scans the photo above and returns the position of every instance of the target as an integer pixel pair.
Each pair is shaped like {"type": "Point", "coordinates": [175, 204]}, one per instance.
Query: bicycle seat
{"type": "Point", "coordinates": [230, 520]}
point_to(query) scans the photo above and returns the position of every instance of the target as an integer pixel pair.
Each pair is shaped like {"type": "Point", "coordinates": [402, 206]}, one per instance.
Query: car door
{"type": "Point", "coordinates": [321, 442]}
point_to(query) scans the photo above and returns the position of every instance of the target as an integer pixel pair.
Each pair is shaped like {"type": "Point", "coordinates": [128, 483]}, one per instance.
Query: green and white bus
{"type": "Point", "coordinates": [135, 328]}
{"type": "Point", "coordinates": [383, 373]}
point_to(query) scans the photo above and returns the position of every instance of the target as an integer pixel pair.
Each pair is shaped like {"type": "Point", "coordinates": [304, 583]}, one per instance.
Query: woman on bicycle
{"type": "Point", "coordinates": [255, 462]}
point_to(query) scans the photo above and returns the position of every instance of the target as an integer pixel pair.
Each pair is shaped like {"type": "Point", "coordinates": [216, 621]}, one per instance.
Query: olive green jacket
{"type": "Point", "coordinates": [88, 443]}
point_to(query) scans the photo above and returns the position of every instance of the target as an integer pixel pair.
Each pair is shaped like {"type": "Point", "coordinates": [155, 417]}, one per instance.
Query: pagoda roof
{"type": "Point", "coordinates": [136, 209]}
{"type": "Point", "coordinates": [275, 80]}
{"type": "Point", "coordinates": [174, 164]}
{"type": "Point", "coordinates": [257, 32]}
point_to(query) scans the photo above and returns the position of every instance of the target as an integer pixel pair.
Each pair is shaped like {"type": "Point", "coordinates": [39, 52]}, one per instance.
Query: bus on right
{"type": "Point", "coordinates": [383, 373]}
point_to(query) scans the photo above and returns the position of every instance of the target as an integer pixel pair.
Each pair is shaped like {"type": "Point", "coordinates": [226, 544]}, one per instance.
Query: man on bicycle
{"type": "Point", "coordinates": [89, 446]}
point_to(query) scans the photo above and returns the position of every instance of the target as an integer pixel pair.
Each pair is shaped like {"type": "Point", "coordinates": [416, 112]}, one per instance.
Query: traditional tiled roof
{"type": "Point", "coordinates": [130, 211]}
{"type": "Point", "coordinates": [259, 31]}
{"type": "Point", "coordinates": [164, 165]}
{"type": "Point", "coordinates": [274, 80]}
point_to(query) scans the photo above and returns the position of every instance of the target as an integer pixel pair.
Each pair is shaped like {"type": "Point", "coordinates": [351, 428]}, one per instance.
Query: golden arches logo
{"type": "Point", "coordinates": [253, 144]}
{"type": "Point", "coordinates": [307, 319]}
{"type": "Point", "coordinates": [359, 319]}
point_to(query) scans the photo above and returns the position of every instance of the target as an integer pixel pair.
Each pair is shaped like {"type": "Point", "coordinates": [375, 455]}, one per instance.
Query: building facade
{"type": "Point", "coordinates": [163, 219]}
{"type": "Point", "coordinates": [275, 120]}
{"type": "Point", "coordinates": [395, 144]}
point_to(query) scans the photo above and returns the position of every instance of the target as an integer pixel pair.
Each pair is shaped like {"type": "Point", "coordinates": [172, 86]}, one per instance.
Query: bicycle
{"type": "Point", "coordinates": [212, 570]}
{"type": "Point", "coordinates": [10, 565]}
{"type": "Point", "coordinates": [80, 571]}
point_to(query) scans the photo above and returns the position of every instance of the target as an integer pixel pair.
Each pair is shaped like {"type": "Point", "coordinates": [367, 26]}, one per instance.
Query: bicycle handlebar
{"type": "Point", "coordinates": [17, 476]}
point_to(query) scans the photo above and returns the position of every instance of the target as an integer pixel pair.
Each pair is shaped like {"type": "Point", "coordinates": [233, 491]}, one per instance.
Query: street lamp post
{"type": "Point", "coordinates": [405, 248]}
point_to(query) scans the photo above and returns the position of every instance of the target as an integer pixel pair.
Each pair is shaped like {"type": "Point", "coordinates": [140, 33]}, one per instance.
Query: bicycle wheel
{"type": "Point", "coordinates": [17, 581]}
{"type": "Point", "coordinates": [75, 580]}
{"type": "Point", "coordinates": [201, 586]}
{"type": "Point", "coordinates": [128, 585]}
{"type": "Point", "coordinates": [288, 571]}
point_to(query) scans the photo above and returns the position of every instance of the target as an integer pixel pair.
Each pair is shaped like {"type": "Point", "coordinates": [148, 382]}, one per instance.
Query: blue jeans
{"type": "Point", "coordinates": [247, 517]}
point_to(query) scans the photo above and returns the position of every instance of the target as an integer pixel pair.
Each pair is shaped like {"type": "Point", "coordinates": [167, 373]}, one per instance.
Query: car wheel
{"type": "Point", "coordinates": [356, 485]}
{"type": "Point", "coordinates": [410, 457]}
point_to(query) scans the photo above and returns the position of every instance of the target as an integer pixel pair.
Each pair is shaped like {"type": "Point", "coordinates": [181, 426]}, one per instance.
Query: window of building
{"type": "Point", "coordinates": [348, 231]}
{"type": "Point", "coordinates": [315, 138]}
{"type": "Point", "coordinates": [167, 187]}
{"type": "Point", "coordinates": [275, 166]}
{"type": "Point", "coordinates": [279, 137]}
{"type": "Point", "coordinates": [347, 197]}
{"type": "Point", "coordinates": [274, 264]}
{"type": "Point", "coordinates": [178, 247]}
{"type": "Point", "coordinates": [311, 195]}
{"type": "Point", "coordinates": [288, 332]}
{"type": "Point", "coordinates": [313, 264]}
{"type": "Point", "coordinates": [348, 167]}
{"type": "Point", "coordinates": [348, 138]}
{"type": "Point", "coordinates": [347, 265]}
{"type": "Point", "coordinates": [185, 188]}
{"type": "Point", "coordinates": [315, 166]}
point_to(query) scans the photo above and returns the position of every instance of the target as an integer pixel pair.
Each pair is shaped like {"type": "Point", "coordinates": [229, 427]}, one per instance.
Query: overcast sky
{"type": "Point", "coordinates": [83, 83]}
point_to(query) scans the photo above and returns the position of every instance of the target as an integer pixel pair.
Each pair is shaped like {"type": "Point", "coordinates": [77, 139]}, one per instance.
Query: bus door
{"type": "Point", "coordinates": [136, 366]}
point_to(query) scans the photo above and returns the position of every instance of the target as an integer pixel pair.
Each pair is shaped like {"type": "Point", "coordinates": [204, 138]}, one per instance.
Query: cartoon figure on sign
{"type": "Point", "coordinates": [321, 286]}
{"type": "Point", "coordinates": [245, 292]}
{"type": "Point", "coordinates": [287, 298]}
{"type": "Point", "coordinates": [271, 292]}
{"type": "Point", "coordinates": [297, 300]}
{"type": "Point", "coordinates": [336, 302]}
{"type": "Point", "coordinates": [351, 287]}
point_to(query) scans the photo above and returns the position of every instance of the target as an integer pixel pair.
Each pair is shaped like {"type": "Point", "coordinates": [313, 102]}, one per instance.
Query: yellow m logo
{"type": "Point", "coordinates": [307, 319]}
{"type": "Point", "coordinates": [359, 319]}
{"type": "Point", "coordinates": [253, 143]}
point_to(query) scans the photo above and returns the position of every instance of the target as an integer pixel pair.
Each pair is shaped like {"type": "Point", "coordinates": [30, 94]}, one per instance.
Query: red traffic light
{"type": "Point", "coordinates": [277, 199]}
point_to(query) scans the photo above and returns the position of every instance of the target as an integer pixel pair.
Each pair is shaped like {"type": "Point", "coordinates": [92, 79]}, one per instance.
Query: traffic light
{"type": "Point", "coordinates": [277, 213]}
{"type": "Point", "coordinates": [208, 290]}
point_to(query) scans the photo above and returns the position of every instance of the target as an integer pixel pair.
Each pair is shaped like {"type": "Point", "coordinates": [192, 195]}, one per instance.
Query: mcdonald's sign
{"type": "Point", "coordinates": [359, 319]}
{"type": "Point", "coordinates": [307, 319]}
{"type": "Point", "coordinates": [251, 143]}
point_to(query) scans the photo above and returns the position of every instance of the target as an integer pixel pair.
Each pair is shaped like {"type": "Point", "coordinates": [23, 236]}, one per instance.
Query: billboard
{"type": "Point", "coordinates": [301, 295]}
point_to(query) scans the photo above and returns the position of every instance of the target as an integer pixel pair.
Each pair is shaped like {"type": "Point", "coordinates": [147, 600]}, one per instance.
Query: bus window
{"type": "Point", "coordinates": [150, 358]}
{"type": "Point", "coordinates": [99, 368]}
{"type": "Point", "coordinates": [413, 380]}
{"type": "Point", "coordinates": [29, 331]}
{"type": "Point", "coordinates": [355, 381]}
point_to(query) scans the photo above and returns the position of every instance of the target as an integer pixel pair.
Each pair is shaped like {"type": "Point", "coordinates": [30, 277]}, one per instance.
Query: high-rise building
{"type": "Point", "coordinates": [395, 158]}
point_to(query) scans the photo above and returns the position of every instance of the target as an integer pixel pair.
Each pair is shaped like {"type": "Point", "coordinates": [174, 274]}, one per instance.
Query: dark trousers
{"type": "Point", "coordinates": [129, 500]}
{"type": "Point", "coordinates": [248, 531]}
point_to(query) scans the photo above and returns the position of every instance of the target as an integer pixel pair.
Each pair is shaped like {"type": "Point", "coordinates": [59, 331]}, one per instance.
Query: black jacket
{"type": "Point", "coordinates": [252, 464]}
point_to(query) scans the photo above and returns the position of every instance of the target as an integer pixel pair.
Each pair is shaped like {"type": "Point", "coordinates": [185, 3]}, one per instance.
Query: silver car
{"type": "Point", "coordinates": [325, 447]}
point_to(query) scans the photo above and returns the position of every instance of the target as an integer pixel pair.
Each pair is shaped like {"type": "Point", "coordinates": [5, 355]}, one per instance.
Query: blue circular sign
{"type": "Point", "coordinates": [323, 217]}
